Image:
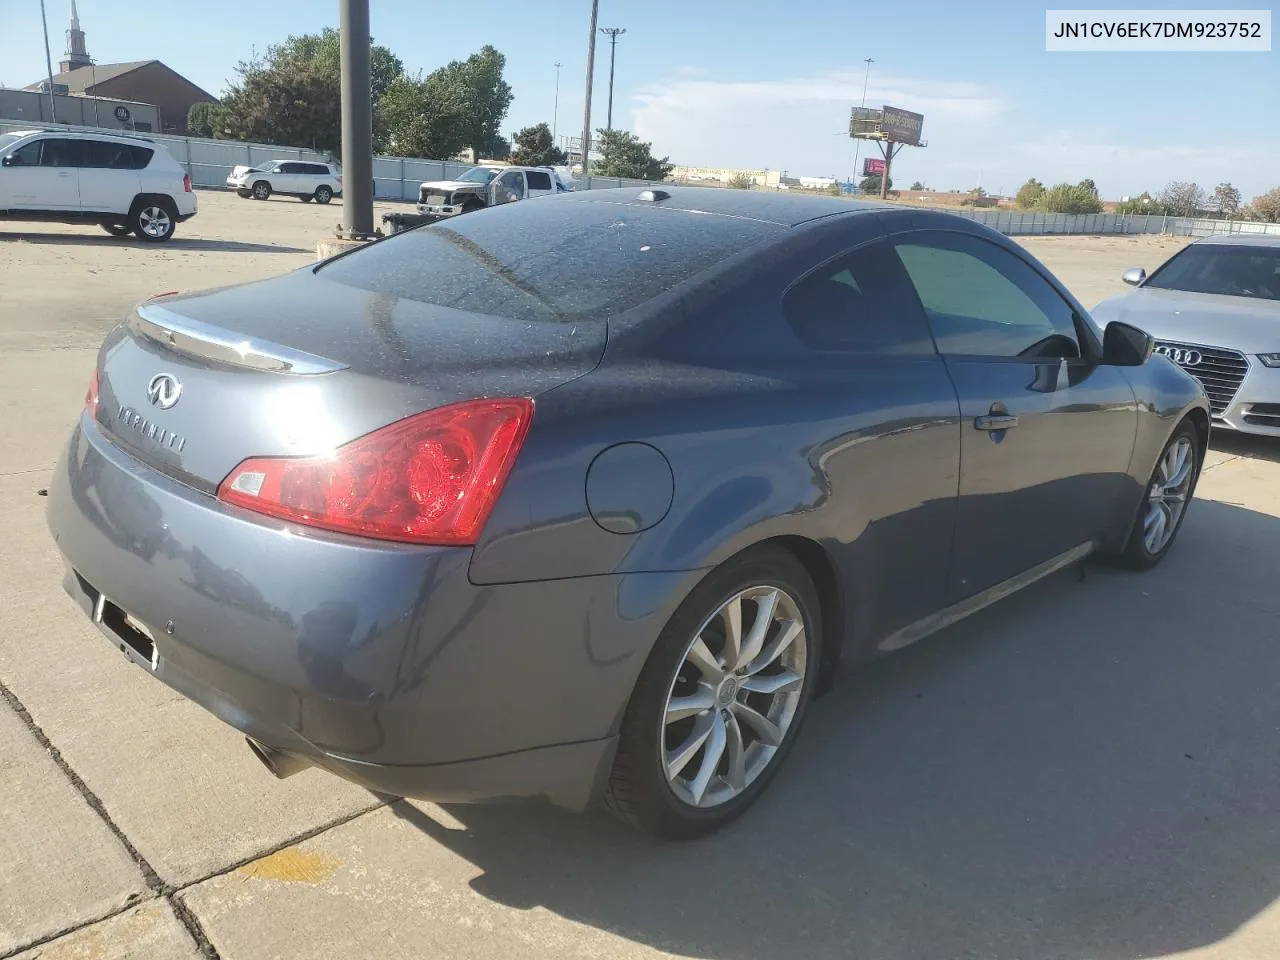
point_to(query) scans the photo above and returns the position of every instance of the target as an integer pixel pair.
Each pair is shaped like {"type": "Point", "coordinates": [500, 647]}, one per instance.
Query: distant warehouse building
{"type": "Point", "coordinates": [31, 108]}
{"type": "Point", "coordinates": [138, 82]}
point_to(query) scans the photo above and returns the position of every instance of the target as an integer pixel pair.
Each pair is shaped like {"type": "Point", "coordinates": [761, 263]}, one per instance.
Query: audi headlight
{"type": "Point", "coordinates": [1270, 359]}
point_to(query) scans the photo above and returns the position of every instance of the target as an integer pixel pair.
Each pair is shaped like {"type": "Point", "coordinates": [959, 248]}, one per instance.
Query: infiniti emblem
{"type": "Point", "coordinates": [164, 390]}
{"type": "Point", "coordinates": [1182, 356]}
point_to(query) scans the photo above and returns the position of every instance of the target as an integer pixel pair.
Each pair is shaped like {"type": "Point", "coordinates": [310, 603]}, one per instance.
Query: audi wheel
{"type": "Point", "coordinates": [1164, 505]}
{"type": "Point", "coordinates": [720, 699]}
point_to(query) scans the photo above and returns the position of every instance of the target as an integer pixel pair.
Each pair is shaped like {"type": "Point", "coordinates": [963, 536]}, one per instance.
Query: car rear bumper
{"type": "Point", "coordinates": [379, 662]}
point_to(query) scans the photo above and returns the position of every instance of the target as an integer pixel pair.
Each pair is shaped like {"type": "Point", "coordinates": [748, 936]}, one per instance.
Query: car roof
{"type": "Point", "coordinates": [1242, 240]}
{"type": "Point", "coordinates": [786, 209]}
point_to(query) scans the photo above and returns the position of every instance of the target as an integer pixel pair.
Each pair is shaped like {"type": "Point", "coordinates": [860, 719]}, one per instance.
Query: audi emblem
{"type": "Point", "coordinates": [164, 390]}
{"type": "Point", "coordinates": [1182, 356]}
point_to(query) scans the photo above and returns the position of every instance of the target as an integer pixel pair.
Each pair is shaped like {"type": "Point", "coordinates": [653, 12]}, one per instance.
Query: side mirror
{"type": "Point", "coordinates": [1134, 276]}
{"type": "Point", "coordinates": [1126, 346]}
{"type": "Point", "coordinates": [6, 161]}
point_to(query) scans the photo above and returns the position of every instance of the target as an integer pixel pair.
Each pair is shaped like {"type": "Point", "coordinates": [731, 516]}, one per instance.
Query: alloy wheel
{"type": "Point", "coordinates": [734, 696]}
{"type": "Point", "coordinates": [1167, 498]}
{"type": "Point", "coordinates": [155, 221]}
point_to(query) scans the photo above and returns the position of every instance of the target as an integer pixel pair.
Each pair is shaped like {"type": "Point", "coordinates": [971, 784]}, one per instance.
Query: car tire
{"type": "Point", "coordinates": [118, 229]}
{"type": "Point", "coordinates": [1165, 500]}
{"type": "Point", "coordinates": [305, 198]}
{"type": "Point", "coordinates": [244, 194]}
{"type": "Point", "coordinates": [323, 194]}
{"type": "Point", "coordinates": [665, 780]}
{"type": "Point", "coordinates": [261, 190]}
{"type": "Point", "coordinates": [153, 220]}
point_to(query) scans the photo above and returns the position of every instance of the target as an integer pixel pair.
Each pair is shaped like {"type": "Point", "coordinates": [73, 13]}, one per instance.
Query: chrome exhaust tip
{"type": "Point", "coordinates": [280, 763]}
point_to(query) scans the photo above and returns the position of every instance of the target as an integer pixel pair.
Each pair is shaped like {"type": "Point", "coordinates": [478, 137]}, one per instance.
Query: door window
{"type": "Point", "coordinates": [860, 302]}
{"type": "Point", "coordinates": [984, 301]}
{"type": "Point", "coordinates": [538, 180]}
{"type": "Point", "coordinates": [60, 153]}
{"type": "Point", "coordinates": [27, 155]}
{"type": "Point", "coordinates": [510, 186]}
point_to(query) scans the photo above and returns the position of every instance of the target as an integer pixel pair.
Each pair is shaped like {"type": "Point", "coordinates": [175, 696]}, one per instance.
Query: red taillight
{"type": "Point", "coordinates": [91, 397]}
{"type": "Point", "coordinates": [186, 182]}
{"type": "Point", "coordinates": [430, 478]}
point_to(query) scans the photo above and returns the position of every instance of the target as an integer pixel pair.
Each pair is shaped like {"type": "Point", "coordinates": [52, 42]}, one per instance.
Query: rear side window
{"type": "Point", "coordinates": [538, 180]}
{"type": "Point", "coordinates": [320, 170]}
{"type": "Point", "coordinates": [558, 259]}
{"type": "Point", "coordinates": [861, 302]}
{"type": "Point", "coordinates": [113, 156]}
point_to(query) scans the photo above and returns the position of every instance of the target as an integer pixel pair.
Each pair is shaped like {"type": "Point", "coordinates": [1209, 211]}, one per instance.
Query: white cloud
{"type": "Point", "coordinates": [799, 123]}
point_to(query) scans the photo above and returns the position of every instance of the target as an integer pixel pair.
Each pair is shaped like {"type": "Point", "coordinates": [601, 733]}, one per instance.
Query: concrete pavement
{"type": "Point", "coordinates": [1087, 770]}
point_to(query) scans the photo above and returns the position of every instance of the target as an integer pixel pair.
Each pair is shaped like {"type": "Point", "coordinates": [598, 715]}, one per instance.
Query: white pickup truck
{"type": "Point", "coordinates": [482, 187]}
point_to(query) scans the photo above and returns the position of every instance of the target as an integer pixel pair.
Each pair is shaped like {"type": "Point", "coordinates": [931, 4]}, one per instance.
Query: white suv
{"type": "Point", "coordinates": [127, 184]}
{"type": "Point", "coordinates": [304, 179]}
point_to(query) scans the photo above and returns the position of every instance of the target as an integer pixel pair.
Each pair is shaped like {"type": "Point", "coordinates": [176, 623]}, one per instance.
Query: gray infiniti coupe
{"type": "Point", "coordinates": [585, 499]}
{"type": "Point", "coordinates": [1214, 309]}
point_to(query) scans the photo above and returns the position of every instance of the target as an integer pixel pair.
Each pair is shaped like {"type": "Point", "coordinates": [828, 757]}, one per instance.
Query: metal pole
{"type": "Point", "coordinates": [555, 110]}
{"type": "Point", "coordinates": [612, 34]}
{"type": "Point", "coordinates": [586, 112]}
{"type": "Point", "coordinates": [357, 122]}
{"type": "Point", "coordinates": [93, 70]}
{"type": "Point", "coordinates": [857, 144]}
{"type": "Point", "coordinates": [48, 62]}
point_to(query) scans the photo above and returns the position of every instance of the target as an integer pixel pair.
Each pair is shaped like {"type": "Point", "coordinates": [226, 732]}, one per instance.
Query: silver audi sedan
{"type": "Point", "coordinates": [1214, 309]}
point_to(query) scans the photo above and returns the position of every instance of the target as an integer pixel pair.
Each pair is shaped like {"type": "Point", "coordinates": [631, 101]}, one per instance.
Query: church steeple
{"type": "Point", "coordinates": [76, 55]}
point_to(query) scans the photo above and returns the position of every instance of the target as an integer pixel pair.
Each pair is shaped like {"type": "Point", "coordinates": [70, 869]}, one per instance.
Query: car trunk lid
{"type": "Point", "coordinates": [299, 365]}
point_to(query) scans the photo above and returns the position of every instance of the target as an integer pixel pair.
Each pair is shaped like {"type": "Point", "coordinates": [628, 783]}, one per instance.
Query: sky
{"type": "Point", "coordinates": [765, 85]}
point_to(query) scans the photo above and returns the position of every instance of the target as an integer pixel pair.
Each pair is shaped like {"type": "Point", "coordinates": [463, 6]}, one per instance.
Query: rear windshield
{"type": "Point", "coordinates": [1235, 271]}
{"type": "Point", "coordinates": [549, 258]}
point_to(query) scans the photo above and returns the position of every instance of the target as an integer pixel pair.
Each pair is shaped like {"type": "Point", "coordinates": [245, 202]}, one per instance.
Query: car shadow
{"type": "Point", "coordinates": [178, 242]}
{"type": "Point", "coordinates": [1246, 445]}
{"type": "Point", "coordinates": [1087, 770]}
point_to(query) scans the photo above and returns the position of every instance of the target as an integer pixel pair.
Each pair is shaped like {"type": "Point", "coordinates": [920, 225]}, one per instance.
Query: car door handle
{"type": "Point", "coordinates": [64, 173]}
{"type": "Point", "coordinates": [995, 422]}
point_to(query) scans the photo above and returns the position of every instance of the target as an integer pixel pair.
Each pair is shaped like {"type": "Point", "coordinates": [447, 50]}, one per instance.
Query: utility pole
{"type": "Point", "coordinates": [48, 62]}
{"type": "Point", "coordinates": [555, 110]}
{"type": "Point", "coordinates": [857, 144]}
{"type": "Point", "coordinates": [612, 33]}
{"type": "Point", "coordinates": [357, 121]}
{"type": "Point", "coordinates": [586, 111]}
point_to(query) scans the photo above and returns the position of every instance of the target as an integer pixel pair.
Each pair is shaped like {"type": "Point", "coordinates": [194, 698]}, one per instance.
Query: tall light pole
{"type": "Point", "coordinates": [555, 110]}
{"type": "Point", "coordinates": [591, 67]}
{"type": "Point", "coordinates": [857, 144]}
{"type": "Point", "coordinates": [357, 121]}
{"type": "Point", "coordinates": [612, 33]}
{"type": "Point", "coordinates": [48, 62]}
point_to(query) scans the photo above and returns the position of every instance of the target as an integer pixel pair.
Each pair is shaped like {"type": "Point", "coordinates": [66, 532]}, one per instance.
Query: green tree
{"type": "Point", "coordinates": [474, 90]}
{"type": "Point", "coordinates": [871, 184]}
{"type": "Point", "coordinates": [417, 122]}
{"type": "Point", "coordinates": [977, 192]}
{"type": "Point", "coordinates": [292, 96]}
{"type": "Point", "coordinates": [918, 186]}
{"type": "Point", "coordinates": [1143, 203]}
{"type": "Point", "coordinates": [740, 181]}
{"type": "Point", "coordinates": [1226, 199]}
{"type": "Point", "coordinates": [1070, 198]}
{"type": "Point", "coordinates": [533, 148]}
{"type": "Point", "coordinates": [1029, 194]}
{"type": "Point", "coordinates": [835, 189]}
{"type": "Point", "coordinates": [1265, 207]}
{"type": "Point", "coordinates": [207, 119]}
{"type": "Point", "coordinates": [626, 155]}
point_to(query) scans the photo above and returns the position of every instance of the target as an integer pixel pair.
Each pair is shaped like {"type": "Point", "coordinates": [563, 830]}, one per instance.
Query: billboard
{"type": "Point", "coordinates": [902, 126]}
{"type": "Point", "coordinates": [873, 167]}
{"type": "Point", "coordinates": [864, 122]}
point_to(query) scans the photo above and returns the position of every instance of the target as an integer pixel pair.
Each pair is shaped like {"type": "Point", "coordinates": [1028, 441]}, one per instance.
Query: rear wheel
{"type": "Point", "coordinates": [153, 221]}
{"type": "Point", "coordinates": [261, 190]}
{"type": "Point", "coordinates": [117, 229]}
{"type": "Point", "coordinates": [721, 698]}
{"type": "Point", "coordinates": [1164, 506]}
{"type": "Point", "coordinates": [323, 194]}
